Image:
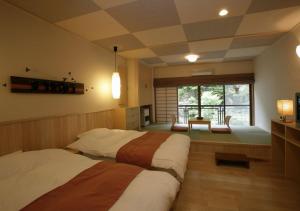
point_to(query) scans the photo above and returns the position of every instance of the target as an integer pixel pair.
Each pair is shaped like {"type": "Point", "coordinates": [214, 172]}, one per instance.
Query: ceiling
{"type": "Point", "coordinates": [162, 32]}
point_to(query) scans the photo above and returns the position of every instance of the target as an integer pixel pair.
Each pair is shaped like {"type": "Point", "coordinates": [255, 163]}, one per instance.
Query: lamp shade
{"type": "Point", "coordinates": [298, 51]}
{"type": "Point", "coordinates": [285, 107]}
{"type": "Point", "coordinates": [116, 85]}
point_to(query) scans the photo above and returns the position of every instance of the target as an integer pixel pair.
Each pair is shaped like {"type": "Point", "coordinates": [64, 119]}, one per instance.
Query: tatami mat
{"type": "Point", "coordinates": [242, 135]}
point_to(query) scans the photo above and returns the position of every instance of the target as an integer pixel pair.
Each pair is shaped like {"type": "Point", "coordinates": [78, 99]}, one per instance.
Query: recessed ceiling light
{"type": "Point", "coordinates": [192, 57]}
{"type": "Point", "coordinates": [298, 51]}
{"type": "Point", "coordinates": [223, 12]}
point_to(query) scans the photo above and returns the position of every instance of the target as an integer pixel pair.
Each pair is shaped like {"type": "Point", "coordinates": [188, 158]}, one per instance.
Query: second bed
{"type": "Point", "coordinates": [152, 150]}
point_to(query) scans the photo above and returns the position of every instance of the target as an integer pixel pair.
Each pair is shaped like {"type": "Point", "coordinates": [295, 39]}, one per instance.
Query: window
{"type": "Point", "coordinates": [237, 103]}
{"type": "Point", "coordinates": [187, 103]}
{"type": "Point", "coordinates": [214, 102]}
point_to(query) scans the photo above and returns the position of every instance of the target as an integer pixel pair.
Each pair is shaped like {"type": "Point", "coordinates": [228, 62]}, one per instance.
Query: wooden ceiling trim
{"type": "Point", "coordinates": [245, 78]}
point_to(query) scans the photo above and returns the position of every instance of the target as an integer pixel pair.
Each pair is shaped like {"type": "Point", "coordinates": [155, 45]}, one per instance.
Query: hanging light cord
{"type": "Point", "coordinates": [115, 50]}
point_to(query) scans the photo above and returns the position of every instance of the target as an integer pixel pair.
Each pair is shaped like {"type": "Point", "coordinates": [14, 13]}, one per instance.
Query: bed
{"type": "Point", "coordinates": [29, 179]}
{"type": "Point", "coordinates": [171, 154]}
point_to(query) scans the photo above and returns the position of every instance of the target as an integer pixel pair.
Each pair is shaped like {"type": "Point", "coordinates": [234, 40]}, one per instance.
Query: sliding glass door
{"type": "Point", "coordinates": [187, 103]}
{"type": "Point", "coordinates": [237, 103]}
{"type": "Point", "coordinates": [214, 102]}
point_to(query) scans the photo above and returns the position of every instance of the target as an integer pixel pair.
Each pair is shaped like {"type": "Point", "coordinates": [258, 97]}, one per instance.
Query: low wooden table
{"type": "Point", "coordinates": [192, 122]}
{"type": "Point", "coordinates": [233, 159]}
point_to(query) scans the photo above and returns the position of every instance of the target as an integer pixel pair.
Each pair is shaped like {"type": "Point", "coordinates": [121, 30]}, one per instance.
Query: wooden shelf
{"type": "Point", "coordinates": [278, 128]}
{"type": "Point", "coordinates": [279, 135]}
{"type": "Point", "coordinates": [294, 142]}
{"type": "Point", "coordinates": [286, 148]}
{"type": "Point", "coordinates": [292, 161]}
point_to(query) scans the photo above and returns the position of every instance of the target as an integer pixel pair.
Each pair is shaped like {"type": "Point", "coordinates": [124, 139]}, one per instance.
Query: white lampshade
{"type": "Point", "coordinates": [298, 51]}
{"type": "Point", "coordinates": [285, 107]}
{"type": "Point", "coordinates": [116, 85]}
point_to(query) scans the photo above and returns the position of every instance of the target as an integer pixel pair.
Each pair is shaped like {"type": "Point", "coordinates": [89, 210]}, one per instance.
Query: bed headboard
{"type": "Point", "coordinates": [49, 132]}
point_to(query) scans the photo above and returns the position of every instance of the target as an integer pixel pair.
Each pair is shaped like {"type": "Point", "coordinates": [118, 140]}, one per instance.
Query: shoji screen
{"type": "Point", "coordinates": [166, 103]}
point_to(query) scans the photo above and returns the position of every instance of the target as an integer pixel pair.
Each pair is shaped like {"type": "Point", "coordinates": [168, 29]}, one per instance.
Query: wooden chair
{"type": "Point", "coordinates": [177, 128]}
{"type": "Point", "coordinates": [223, 130]}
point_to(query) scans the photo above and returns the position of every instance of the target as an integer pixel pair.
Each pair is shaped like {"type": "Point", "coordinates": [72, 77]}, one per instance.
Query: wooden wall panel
{"type": "Point", "coordinates": [50, 132]}
{"type": "Point", "coordinates": [10, 138]}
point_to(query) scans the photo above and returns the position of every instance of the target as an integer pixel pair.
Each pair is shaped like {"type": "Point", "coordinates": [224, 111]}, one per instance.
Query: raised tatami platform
{"type": "Point", "coordinates": [240, 135]}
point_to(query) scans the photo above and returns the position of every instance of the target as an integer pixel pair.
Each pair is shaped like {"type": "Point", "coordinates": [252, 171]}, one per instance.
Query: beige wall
{"type": "Point", "coordinates": [145, 84]}
{"type": "Point", "coordinates": [51, 52]}
{"type": "Point", "coordinates": [218, 68]}
{"type": "Point", "coordinates": [133, 82]}
{"type": "Point", "coordinates": [277, 75]}
{"type": "Point", "coordinates": [140, 83]}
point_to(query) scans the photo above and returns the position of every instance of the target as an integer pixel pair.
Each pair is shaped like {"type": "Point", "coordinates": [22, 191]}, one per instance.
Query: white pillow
{"type": "Point", "coordinates": [96, 133]}
{"type": "Point", "coordinates": [21, 162]}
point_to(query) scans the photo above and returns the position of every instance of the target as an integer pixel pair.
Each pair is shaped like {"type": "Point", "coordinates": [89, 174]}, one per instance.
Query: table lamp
{"type": "Point", "coordinates": [285, 108]}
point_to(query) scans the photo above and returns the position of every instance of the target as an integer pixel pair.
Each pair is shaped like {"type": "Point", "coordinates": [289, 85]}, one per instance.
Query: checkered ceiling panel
{"type": "Point", "coordinates": [162, 32]}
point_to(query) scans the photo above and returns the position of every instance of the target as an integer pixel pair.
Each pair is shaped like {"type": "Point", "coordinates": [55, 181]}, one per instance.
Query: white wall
{"type": "Point", "coordinates": [51, 52]}
{"type": "Point", "coordinates": [277, 76]}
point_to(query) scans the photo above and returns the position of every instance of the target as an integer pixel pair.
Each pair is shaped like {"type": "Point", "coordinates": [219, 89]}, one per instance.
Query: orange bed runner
{"type": "Point", "coordinates": [96, 188]}
{"type": "Point", "coordinates": [140, 151]}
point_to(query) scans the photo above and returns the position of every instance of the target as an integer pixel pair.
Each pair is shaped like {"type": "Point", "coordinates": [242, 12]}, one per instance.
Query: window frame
{"type": "Point", "coordinates": [200, 106]}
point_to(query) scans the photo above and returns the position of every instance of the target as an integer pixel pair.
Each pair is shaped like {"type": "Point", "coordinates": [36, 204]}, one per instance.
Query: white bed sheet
{"type": "Point", "coordinates": [172, 154]}
{"type": "Point", "coordinates": [48, 169]}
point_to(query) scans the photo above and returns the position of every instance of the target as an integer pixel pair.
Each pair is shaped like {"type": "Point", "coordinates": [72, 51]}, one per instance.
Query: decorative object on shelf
{"type": "Point", "coordinates": [33, 85]}
{"type": "Point", "coordinates": [87, 89]}
{"type": "Point", "coordinates": [298, 51]}
{"type": "Point", "coordinates": [285, 108]}
{"type": "Point", "coordinates": [69, 77]}
{"type": "Point", "coordinates": [116, 81]}
{"type": "Point", "coordinates": [27, 69]}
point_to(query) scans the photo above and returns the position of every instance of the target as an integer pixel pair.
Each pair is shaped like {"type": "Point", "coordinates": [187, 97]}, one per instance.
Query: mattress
{"type": "Point", "coordinates": [32, 174]}
{"type": "Point", "coordinates": [172, 155]}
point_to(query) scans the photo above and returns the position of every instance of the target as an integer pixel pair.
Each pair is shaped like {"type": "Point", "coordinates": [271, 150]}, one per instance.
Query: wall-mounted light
{"type": "Point", "coordinates": [298, 51]}
{"type": "Point", "coordinates": [192, 57]}
{"type": "Point", "coordinates": [116, 80]}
